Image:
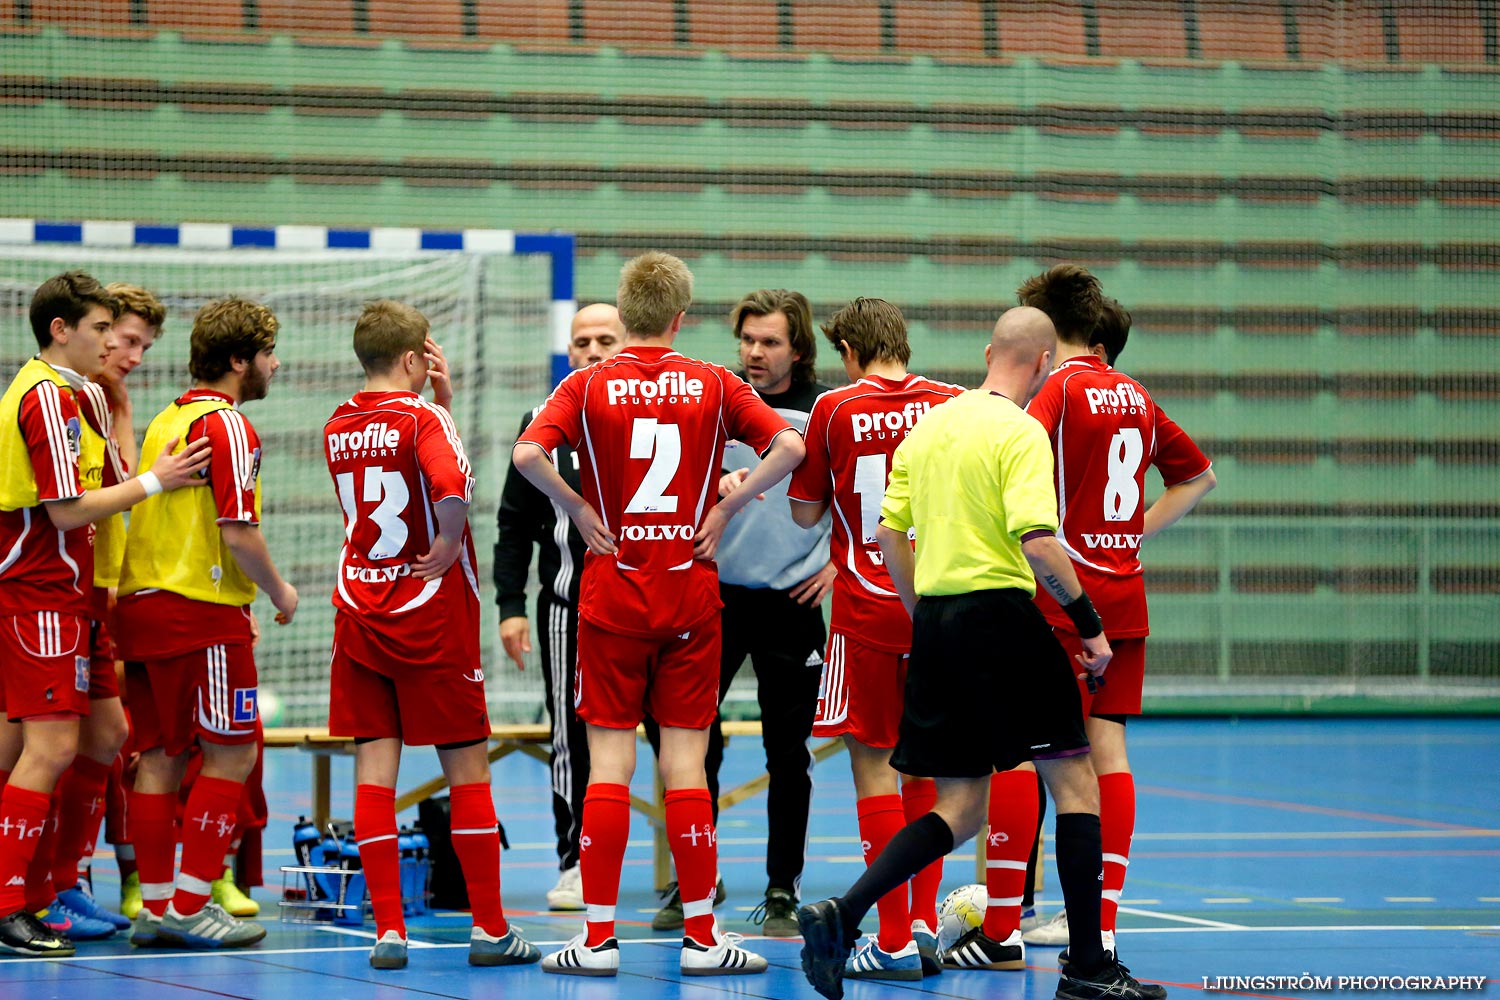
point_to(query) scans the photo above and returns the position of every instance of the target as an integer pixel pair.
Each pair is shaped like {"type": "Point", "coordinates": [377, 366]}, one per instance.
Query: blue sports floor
{"type": "Point", "coordinates": [1263, 848]}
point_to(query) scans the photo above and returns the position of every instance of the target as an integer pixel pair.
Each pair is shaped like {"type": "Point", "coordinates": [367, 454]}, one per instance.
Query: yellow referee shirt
{"type": "Point", "coordinates": [972, 477]}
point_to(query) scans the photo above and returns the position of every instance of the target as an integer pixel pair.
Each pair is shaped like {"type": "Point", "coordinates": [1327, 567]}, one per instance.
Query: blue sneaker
{"type": "Point", "coordinates": [869, 962]}
{"type": "Point", "coordinates": [509, 949]}
{"type": "Point", "coordinates": [81, 901]}
{"type": "Point", "coordinates": [79, 926]}
{"type": "Point", "coordinates": [927, 947]}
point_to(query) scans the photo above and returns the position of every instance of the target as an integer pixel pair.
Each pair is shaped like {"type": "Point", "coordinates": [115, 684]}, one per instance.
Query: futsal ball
{"type": "Point", "coordinates": [960, 911]}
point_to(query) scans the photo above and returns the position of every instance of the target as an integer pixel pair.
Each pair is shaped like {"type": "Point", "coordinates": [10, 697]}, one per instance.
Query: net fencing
{"type": "Point", "coordinates": [1297, 200]}
{"type": "Point", "coordinates": [490, 314]}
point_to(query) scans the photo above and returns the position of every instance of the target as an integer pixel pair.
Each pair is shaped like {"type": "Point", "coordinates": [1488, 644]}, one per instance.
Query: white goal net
{"type": "Point", "coordinates": [490, 313]}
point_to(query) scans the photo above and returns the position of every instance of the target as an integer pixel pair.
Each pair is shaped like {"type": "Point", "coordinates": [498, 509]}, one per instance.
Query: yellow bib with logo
{"type": "Point", "coordinates": [18, 487]}
{"type": "Point", "coordinates": [174, 542]}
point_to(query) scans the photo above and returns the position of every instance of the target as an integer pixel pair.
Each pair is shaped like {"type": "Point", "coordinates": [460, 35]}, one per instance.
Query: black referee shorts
{"type": "Point", "coordinates": [988, 687]}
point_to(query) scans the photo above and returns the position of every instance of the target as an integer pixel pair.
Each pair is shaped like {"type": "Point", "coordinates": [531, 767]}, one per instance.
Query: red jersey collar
{"type": "Point", "coordinates": [195, 395]}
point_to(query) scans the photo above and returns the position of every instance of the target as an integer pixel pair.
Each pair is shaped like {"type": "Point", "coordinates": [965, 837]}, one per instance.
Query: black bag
{"type": "Point", "coordinates": [448, 890]}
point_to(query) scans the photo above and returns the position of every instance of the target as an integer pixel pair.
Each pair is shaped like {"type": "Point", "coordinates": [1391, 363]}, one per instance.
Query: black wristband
{"type": "Point", "coordinates": [1085, 618]}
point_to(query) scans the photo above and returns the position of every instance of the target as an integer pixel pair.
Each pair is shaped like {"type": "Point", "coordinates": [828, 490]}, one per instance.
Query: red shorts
{"type": "Point", "coordinates": [103, 681]}
{"type": "Point", "coordinates": [374, 695]}
{"type": "Point", "coordinates": [1120, 694]}
{"type": "Point", "coordinates": [46, 664]}
{"type": "Point", "coordinates": [208, 694]}
{"type": "Point", "coordinates": [675, 678]}
{"type": "Point", "coordinates": [861, 693]}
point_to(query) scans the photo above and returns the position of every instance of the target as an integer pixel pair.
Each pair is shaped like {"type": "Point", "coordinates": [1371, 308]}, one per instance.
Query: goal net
{"type": "Point", "coordinates": [491, 312]}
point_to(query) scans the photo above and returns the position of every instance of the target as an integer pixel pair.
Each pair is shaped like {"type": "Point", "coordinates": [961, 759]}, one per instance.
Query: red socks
{"type": "Point", "coordinates": [1013, 810]}
{"type": "Point", "coordinates": [881, 818]}
{"type": "Point", "coordinates": [1116, 827]}
{"type": "Point", "coordinates": [82, 792]}
{"type": "Point", "coordinates": [151, 819]}
{"type": "Point", "coordinates": [39, 888]}
{"type": "Point", "coordinates": [917, 800]}
{"type": "Point", "coordinates": [601, 853]}
{"type": "Point", "coordinates": [379, 854]}
{"type": "Point", "coordinates": [476, 841]}
{"type": "Point", "coordinates": [208, 824]}
{"type": "Point", "coordinates": [690, 832]}
{"type": "Point", "coordinates": [21, 810]}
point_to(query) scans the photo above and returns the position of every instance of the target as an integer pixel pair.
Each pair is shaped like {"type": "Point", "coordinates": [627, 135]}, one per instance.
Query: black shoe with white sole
{"type": "Point", "coordinates": [21, 933]}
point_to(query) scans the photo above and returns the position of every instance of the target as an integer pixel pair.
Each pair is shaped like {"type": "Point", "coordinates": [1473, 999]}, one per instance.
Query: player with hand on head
{"type": "Point", "coordinates": [527, 519]}
{"type": "Point", "coordinates": [406, 666]}
{"type": "Point", "coordinates": [192, 567]}
{"type": "Point", "coordinates": [1105, 430]}
{"type": "Point", "coordinates": [651, 426]}
{"type": "Point", "coordinates": [54, 447]}
{"type": "Point", "coordinates": [851, 436]}
{"type": "Point", "coordinates": [974, 479]}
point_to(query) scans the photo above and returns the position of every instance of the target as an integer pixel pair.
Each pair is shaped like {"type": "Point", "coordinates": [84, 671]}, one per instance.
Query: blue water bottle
{"type": "Point", "coordinates": [351, 884]}
{"type": "Point", "coordinates": [422, 868]}
{"type": "Point", "coordinates": [305, 841]}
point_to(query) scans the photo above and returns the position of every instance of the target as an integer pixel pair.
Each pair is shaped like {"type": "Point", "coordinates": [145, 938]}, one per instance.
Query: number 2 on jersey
{"type": "Point", "coordinates": [389, 488]}
{"type": "Point", "coordinates": [662, 443]}
{"type": "Point", "coordinates": [1122, 494]}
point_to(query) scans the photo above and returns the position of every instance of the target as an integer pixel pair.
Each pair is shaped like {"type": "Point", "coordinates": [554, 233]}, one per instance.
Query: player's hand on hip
{"type": "Point", "coordinates": [435, 563]}
{"type": "Point", "coordinates": [286, 605]}
{"type": "Point", "coordinates": [1095, 655]}
{"type": "Point", "coordinates": [731, 481]}
{"type": "Point", "coordinates": [515, 636]}
{"type": "Point", "coordinates": [437, 373]}
{"type": "Point", "coordinates": [183, 468]}
{"type": "Point", "coordinates": [706, 541]}
{"type": "Point", "coordinates": [593, 532]}
{"type": "Point", "coordinates": [816, 587]}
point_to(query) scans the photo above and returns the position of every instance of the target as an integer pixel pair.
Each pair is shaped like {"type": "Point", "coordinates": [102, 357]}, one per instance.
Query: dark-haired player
{"type": "Point", "coordinates": [1105, 430]}
{"type": "Point", "coordinates": [851, 435]}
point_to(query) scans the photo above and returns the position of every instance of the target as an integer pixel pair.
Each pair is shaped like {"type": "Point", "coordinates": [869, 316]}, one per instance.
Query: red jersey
{"type": "Point", "coordinates": [42, 568]}
{"type": "Point", "coordinates": [1105, 430]}
{"type": "Point", "coordinates": [393, 456]}
{"type": "Point", "coordinates": [650, 426]}
{"type": "Point", "coordinates": [851, 435]}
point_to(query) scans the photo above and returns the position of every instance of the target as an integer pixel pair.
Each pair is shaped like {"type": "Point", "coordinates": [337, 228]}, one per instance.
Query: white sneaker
{"type": "Point", "coordinates": [1052, 934]}
{"type": "Point", "coordinates": [578, 959]}
{"type": "Point", "coordinates": [567, 894]}
{"type": "Point", "coordinates": [1029, 919]}
{"type": "Point", "coordinates": [726, 958]}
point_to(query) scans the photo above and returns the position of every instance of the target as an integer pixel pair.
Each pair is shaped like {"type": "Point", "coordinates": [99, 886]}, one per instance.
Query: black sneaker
{"type": "Point", "coordinates": [827, 940]}
{"type": "Point", "coordinates": [23, 934]}
{"type": "Point", "coordinates": [669, 917]}
{"type": "Point", "coordinates": [977, 950]}
{"type": "Point", "coordinates": [776, 914]}
{"type": "Point", "coordinates": [1111, 981]}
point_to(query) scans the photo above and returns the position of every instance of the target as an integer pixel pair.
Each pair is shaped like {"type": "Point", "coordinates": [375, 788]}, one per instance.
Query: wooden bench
{"type": "Point", "coordinates": [534, 740]}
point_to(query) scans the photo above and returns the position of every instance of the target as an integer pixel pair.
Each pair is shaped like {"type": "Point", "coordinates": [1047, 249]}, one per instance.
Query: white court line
{"type": "Point", "coordinates": [151, 955]}
{"type": "Point", "coordinates": [1227, 899]}
{"type": "Point", "coordinates": [1324, 835]}
{"type": "Point", "coordinates": [1216, 924]}
{"type": "Point", "coordinates": [1317, 899]}
{"type": "Point", "coordinates": [1410, 899]}
{"type": "Point", "coordinates": [371, 936]}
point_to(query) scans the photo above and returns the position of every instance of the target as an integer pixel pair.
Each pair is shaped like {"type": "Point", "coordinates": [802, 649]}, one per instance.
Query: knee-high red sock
{"type": "Point", "coordinates": [601, 852]}
{"type": "Point", "coordinates": [379, 854]}
{"type": "Point", "coordinates": [881, 818]}
{"type": "Point", "coordinates": [917, 800]}
{"type": "Point", "coordinates": [82, 792]}
{"type": "Point", "coordinates": [207, 828]}
{"type": "Point", "coordinates": [695, 851]}
{"type": "Point", "coordinates": [151, 819]}
{"type": "Point", "coordinates": [1013, 804]}
{"type": "Point", "coordinates": [22, 811]}
{"type": "Point", "coordinates": [1116, 828]}
{"type": "Point", "coordinates": [39, 888]}
{"type": "Point", "coordinates": [476, 841]}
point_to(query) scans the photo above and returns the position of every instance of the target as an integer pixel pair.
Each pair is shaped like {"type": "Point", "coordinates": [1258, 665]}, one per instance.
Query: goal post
{"type": "Point", "coordinates": [500, 303]}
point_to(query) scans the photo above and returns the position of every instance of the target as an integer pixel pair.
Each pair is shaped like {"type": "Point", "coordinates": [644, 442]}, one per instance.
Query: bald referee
{"type": "Point", "coordinates": [988, 687]}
